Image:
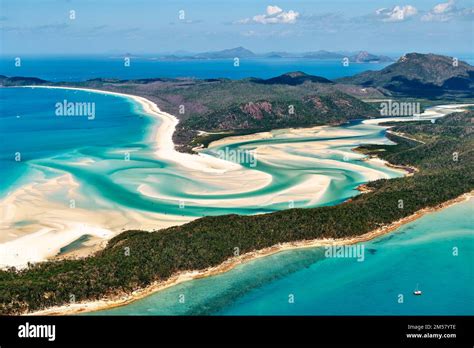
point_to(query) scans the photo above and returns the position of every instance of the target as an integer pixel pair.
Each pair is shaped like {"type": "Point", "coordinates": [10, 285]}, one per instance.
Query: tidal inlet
{"type": "Point", "coordinates": [96, 191]}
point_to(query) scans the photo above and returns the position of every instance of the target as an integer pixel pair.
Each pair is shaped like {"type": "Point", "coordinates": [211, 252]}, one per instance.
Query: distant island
{"type": "Point", "coordinates": [242, 52]}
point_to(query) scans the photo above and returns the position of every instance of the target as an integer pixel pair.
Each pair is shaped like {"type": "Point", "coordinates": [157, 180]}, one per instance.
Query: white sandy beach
{"type": "Point", "coordinates": [58, 225]}
{"type": "Point", "coordinates": [54, 225]}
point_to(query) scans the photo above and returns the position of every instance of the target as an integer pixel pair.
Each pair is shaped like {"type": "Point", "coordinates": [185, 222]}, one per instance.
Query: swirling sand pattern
{"type": "Point", "coordinates": [159, 187]}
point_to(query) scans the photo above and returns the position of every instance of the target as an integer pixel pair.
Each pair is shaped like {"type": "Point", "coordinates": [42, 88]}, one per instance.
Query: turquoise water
{"type": "Point", "coordinates": [29, 126]}
{"type": "Point", "coordinates": [52, 145]}
{"type": "Point", "coordinates": [417, 254]}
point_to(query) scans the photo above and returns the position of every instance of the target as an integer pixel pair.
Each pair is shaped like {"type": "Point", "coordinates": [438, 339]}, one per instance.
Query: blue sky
{"type": "Point", "coordinates": [155, 26]}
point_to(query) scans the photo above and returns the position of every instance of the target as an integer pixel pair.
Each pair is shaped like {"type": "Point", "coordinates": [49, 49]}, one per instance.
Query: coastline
{"type": "Point", "coordinates": [227, 178]}
{"type": "Point", "coordinates": [28, 199]}
{"type": "Point", "coordinates": [40, 242]}
{"type": "Point", "coordinates": [117, 301]}
{"type": "Point", "coordinates": [165, 148]}
{"type": "Point", "coordinates": [168, 124]}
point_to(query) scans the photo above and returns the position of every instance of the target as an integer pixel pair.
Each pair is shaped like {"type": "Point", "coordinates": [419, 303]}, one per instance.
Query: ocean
{"type": "Point", "coordinates": [84, 68]}
{"type": "Point", "coordinates": [80, 68]}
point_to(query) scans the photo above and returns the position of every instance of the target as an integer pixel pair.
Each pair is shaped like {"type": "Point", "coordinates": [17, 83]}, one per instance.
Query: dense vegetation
{"type": "Point", "coordinates": [211, 240]}
{"type": "Point", "coordinates": [336, 107]}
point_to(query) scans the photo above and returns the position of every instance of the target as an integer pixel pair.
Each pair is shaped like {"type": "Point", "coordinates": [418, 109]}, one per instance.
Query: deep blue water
{"type": "Point", "coordinates": [73, 68]}
{"type": "Point", "coordinates": [83, 68]}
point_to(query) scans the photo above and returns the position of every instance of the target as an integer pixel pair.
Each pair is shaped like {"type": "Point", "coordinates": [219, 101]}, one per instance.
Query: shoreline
{"type": "Point", "coordinates": [148, 106]}
{"type": "Point", "coordinates": [165, 148]}
{"type": "Point", "coordinates": [159, 135]}
{"type": "Point", "coordinates": [162, 135]}
{"type": "Point", "coordinates": [40, 241]}
{"type": "Point", "coordinates": [204, 168]}
{"type": "Point", "coordinates": [121, 300]}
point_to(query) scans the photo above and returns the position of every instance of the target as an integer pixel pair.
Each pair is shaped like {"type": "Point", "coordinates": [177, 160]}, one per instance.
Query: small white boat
{"type": "Point", "coordinates": [417, 291]}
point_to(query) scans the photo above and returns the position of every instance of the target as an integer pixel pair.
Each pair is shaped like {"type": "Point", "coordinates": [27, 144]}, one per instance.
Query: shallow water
{"type": "Point", "coordinates": [29, 125]}
{"type": "Point", "coordinates": [94, 153]}
{"type": "Point", "coordinates": [421, 253]}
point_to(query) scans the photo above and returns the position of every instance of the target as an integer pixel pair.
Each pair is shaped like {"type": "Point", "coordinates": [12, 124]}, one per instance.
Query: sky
{"type": "Point", "coordinates": [60, 27]}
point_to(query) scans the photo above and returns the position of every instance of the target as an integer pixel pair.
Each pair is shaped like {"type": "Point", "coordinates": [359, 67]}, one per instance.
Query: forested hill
{"type": "Point", "coordinates": [420, 75]}
{"type": "Point", "coordinates": [445, 158]}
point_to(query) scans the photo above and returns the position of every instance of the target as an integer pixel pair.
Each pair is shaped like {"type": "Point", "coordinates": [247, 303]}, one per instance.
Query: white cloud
{"type": "Point", "coordinates": [444, 7]}
{"type": "Point", "coordinates": [273, 15]}
{"type": "Point", "coordinates": [273, 10]}
{"type": "Point", "coordinates": [441, 12]}
{"type": "Point", "coordinates": [396, 14]}
{"type": "Point", "coordinates": [446, 11]}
